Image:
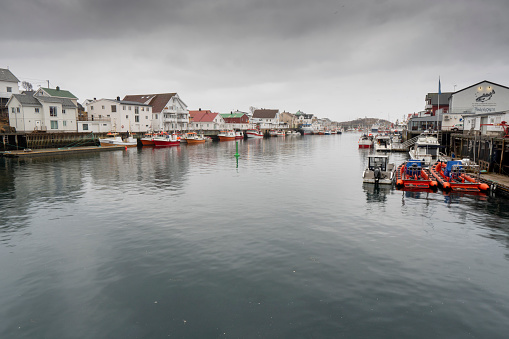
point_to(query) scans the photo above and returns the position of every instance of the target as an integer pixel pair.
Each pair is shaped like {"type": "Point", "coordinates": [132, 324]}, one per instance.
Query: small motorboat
{"type": "Point", "coordinates": [226, 135]}
{"type": "Point", "coordinates": [412, 175]}
{"type": "Point", "coordinates": [273, 133]}
{"type": "Point", "coordinates": [239, 135]}
{"type": "Point", "coordinates": [167, 140]}
{"type": "Point", "coordinates": [379, 171]}
{"type": "Point", "coordinates": [451, 176]}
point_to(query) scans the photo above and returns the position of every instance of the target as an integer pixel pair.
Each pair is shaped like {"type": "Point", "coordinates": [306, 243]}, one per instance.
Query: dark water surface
{"type": "Point", "coordinates": [178, 242]}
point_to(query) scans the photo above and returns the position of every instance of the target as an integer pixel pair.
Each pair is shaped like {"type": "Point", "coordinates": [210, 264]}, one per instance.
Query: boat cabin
{"type": "Point", "coordinates": [378, 161]}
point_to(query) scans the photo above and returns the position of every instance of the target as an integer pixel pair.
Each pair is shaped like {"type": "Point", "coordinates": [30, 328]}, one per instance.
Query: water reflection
{"type": "Point", "coordinates": [376, 193]}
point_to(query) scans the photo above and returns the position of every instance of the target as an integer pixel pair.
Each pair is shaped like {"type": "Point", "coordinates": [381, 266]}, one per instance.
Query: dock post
{"type": "Point", "coordinates": [501, 157]}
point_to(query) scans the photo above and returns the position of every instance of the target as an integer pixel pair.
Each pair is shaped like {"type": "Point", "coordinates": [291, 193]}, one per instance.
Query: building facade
{"type": "Point", "coordinates": [29, 112]}
{"type": "Point", "coordinates": [266, 118]}
{"type": "Point", "coordinates": [124, 116]}
{"type": "Point", "coordinates": [205, 120]}
{"type": "Point", "coordinates": [169, 112]}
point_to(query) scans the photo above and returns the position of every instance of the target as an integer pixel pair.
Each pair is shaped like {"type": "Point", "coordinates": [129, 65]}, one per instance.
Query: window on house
{"type": "Point", "coordinates": [85, 127]}
{"type": "Point", "coordinates": [127, 117]}
{"type": "Point", "coordinates": [146, 117]}
{"type": "Point", "coordinates": [136, 118]}
{"type": "Point", "coordinates": [13, 110]}
{"type": "Point", "coordinates": [113, 108]}
{"type": "Point", "coordinates": [36, 110]}
{"type": "Point", "coordinates": [143, 108]}
{"type": "Point", "coordinates": [9, 89]}
{"type": "Point", "coordinates": [102, 106]}
{"type": "Point", "coordinates": [63, 111]}
{"type": "Point", "coordinates": [130, 108]}
{"type": "Point", "coordinates": [52, 111]}
{"type": "Point", "coordinates": [157, 116]}
{"type": "Point", "coordinates": [64, 123]}
{"type": "Point", "coordinates": [54, 124]}
{"type": "Point", "coordinates": [17, 109]}
{"type": "Point", "coordinates": [123, 107]}
{"type": "Point", "coordinates": [148, 109]}
{"type": "Point", "coordinates": [136, 110]}
{"type": "Point", "coordinates": [91, 108]}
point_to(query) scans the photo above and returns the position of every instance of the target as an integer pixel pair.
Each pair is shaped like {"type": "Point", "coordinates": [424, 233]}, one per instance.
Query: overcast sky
{"type": "Point", "coordinates": [335, 59]}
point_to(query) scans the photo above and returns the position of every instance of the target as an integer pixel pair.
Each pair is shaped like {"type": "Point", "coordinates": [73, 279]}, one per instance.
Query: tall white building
{"type": "Point", "coordinates": [123, 116]}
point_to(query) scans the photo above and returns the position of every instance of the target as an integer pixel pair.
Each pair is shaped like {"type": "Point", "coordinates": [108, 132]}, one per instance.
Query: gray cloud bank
{"type": "Point", "coordinates": [332, 58]}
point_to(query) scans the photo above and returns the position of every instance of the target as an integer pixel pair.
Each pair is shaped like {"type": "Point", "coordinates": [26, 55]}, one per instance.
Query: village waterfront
{"type": "Point", "coordinates": [184, 242]}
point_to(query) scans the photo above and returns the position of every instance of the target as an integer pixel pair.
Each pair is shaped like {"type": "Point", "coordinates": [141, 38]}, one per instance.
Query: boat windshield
{"type": "Point", "coordinates": [377, 162]}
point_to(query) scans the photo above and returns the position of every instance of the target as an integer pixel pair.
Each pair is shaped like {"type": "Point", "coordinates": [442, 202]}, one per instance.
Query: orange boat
{"type": "Point", "coordinates": [226, 135]}
{"type": "Point", "coordinates": [411, 175]}
{"type": "Point", "coordinates": [193, 138]}
{"type": "Point", "coordinates": [452, 176]}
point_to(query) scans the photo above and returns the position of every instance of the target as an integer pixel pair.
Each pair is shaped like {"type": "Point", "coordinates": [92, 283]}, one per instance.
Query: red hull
{"type": "Point", "coordinates": [166, 143]}
{"type": "Point", "coordinates": [364, 146]}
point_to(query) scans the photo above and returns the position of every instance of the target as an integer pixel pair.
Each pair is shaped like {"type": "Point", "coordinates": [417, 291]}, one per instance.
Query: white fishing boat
{"type": "Point", "coordinates": [254, 133]}
{"type": "Point", "coordinates": [426, 149]}
{"type": "Point", "coordinates": [114, 139]}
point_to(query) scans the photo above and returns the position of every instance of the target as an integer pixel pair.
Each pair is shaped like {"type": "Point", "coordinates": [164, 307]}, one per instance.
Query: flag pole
{"type": "Point", "coordinates": [438, 108]}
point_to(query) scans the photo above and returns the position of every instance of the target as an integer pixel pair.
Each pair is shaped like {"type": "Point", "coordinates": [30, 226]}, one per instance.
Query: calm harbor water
{"type": "Point", "coordinates": [180, 242]}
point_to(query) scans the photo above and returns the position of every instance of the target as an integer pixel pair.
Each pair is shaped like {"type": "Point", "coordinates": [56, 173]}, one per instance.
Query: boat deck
{"type": "Point", "coordinates": [57, 151]}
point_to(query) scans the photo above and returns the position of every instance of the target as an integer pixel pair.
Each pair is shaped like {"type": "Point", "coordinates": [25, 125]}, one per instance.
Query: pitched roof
{"type": "Point", "coordinates": [157, 101]}
{"type": "Point", "coordinates": [202, 116]}
{"type": "Point", "coordinates": [265, 113]}
{"type": "Point", "coordinates": [480, 82]}
{"type": "Point", "coordinates": [57, 92]}
{"type": "Point", "coordinates": [64, 101]}
{"type": "Point", "coordinates": [27, 99]}
{"type": "Point", "coordinates": [6, 75]}
{"type": "Point", "coordinates": [232, 115]}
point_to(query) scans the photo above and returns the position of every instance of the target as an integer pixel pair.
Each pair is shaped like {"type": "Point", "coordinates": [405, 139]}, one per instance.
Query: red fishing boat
{"type": "Point", "coordinates": [166, 140]}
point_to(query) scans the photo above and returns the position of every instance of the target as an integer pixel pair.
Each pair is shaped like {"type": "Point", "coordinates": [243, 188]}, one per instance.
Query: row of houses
{"type": "Point", "coordinates": [481, 108]}
{"type": "Point", "coordinates": [58, 110]}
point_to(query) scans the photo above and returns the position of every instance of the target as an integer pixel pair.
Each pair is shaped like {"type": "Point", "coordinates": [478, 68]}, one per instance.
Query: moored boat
{"type": "Point", "coordinates": [426, 148]}
{"type": "Point", "coordinates": [194, 138]}
{"type": "Point", "coordinates": [166, 140]}
{"type": "Point", "coordinates": [383, 143]}
{"type": "Point", "coordinates": [254, 133]}
{"type": "Point", "coordinates": [226, 135]}
{"type": "Point", "coordinates": [113, 139]}
{"type": "Point", "coordinates": [379, 171]}
{"type": "Point", "coordinates": [148, 139]}
{"type": "Point", "coordinates": [239, 135]}
{"type": "Point", "coordinates": [306, 129]}
{"type": "Point", "coordinates": [365, 141]}
{"type": "Point", "coordinates": [413, 176]}
{"type": "Point", "coordinates": [451, 176]}
{"type": "Point", "coordinates": [273, 133]}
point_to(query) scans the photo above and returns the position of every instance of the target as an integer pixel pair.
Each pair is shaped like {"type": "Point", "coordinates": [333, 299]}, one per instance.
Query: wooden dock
{"type": "Point", "coordinates": [27, 153]}
{"type": "Point", "coordinates": [498, 183]}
